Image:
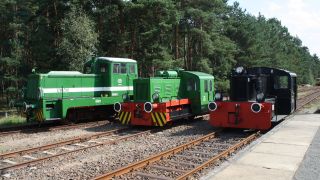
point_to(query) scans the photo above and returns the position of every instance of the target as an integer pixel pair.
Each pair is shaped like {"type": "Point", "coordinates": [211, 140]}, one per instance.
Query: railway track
{"type": "Point", "coordinates": [184, 160]}
{"type": "Point", "coordinates": [22, 158]}
{"type": "Point", "coordinates": [308, 92]}
{"type": "Point", "coordinates": [307, 89]}
{"type": "Point", "coordinates": [34, 128]}
{"type": "Point", "coordinates": [308, 98]}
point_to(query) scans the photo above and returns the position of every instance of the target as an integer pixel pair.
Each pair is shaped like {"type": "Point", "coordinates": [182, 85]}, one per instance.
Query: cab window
{"type": "Point", "coordinates": [206, 84]}
{"type": "Point", "coordinates": [103, 68]}
{"type": "Point", "coordinates": [132, 69]}
{"type": "Point", "coordinates": [191, 85]}
{"type": "Point", "coordinates": [123, 69]}
{"type": "Point", "coordinates": [281, 82]}
{"type": "Point", "coordinates": [211, 85]}
{"type": "Point", "coordinates": [87, 70]}
{"type": "Point", "coordinates": [116, 68]}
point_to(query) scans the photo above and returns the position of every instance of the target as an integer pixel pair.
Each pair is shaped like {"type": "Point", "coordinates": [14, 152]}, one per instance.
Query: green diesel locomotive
{"type": "Point", "coordinates": [75, 96]}
{"type": "Point", "coordinates": [169, 96]}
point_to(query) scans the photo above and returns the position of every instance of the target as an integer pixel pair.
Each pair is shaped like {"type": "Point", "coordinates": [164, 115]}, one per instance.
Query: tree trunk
{"type": "Point", "coordinates": [133, 41]}
{"type": "Point", "coordinates": [176, 41]}
{"type": "Point", "coordinates": [100, 24]}
{"type": "Point", "coordinates": [3, 88]}
{"type": "Point", "coordinates": [56, 28]}
{"type": "Point", "coordinates": [47, 15]}
{"type": "Point", "coordinates": [122, 27]}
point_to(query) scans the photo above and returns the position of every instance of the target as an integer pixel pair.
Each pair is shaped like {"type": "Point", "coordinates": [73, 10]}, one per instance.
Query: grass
{"type": "Point", "coordinates": [12, 120]}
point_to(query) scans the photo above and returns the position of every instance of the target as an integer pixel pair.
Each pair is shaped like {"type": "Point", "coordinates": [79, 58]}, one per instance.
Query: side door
{"type": "Point", "coordinates": [208, 89]}
{"type": "Point", "coordinates": [193, 93]}
{"type": "Point", "coordinates": [283, 93]}
{"type": "Point", "coordinates": [119, 82]}
{"type": "Point", "coordinates": [131, 75]}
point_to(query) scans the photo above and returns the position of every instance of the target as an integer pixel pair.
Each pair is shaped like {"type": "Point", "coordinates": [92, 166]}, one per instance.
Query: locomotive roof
{"type": "Point", "coordinates": [292, 74]}
{"type": "Point", "coordinates": [200, 74]}
{"type": "Point", "coordinates": [114, 59]}
{"type": "Point", "coordinates": [64, 73]}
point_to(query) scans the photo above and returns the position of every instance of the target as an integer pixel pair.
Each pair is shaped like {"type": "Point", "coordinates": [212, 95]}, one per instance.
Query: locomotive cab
{"type": "Point", "coordinates": [285, 89]}
{"type": "Point", "coordinates": [281, 86]}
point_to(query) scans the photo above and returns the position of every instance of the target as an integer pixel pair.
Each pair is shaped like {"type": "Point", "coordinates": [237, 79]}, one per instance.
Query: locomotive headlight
{"type": "Point", "coordinates": [239, 70]}
{"type": "Point", "coordinates": [256, 107]}
{"type": "Point", "coordinates": [212, 106]}
{"type": "Point", "coordinates": [117, 107]}
{"type": "Point", "coordinates": [260, 97]}
{"type": "Point", "coordinates": [155, 96]}
{"type": "Point", "coordinates": [147, 107]}
{"type": "Point", "coordinates": [218, 97]}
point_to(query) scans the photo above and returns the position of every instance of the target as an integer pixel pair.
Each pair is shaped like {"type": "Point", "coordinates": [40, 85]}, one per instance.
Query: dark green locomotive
{"type": "Point", "coordinates": [169, 96]}
{"type": "Point", "coordinates": [74, 96]}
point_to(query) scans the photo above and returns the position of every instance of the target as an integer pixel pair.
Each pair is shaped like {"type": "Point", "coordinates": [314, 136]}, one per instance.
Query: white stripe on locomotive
{"type": "Point", "coordinates": [86, 89]}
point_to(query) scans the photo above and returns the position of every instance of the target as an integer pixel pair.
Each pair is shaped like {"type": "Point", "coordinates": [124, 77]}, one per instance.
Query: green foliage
{"type": "Point", "coordinates": [203, 66]}
{"type": "Point", "coordinates": [202, 35]}
{"type": "Point", "coordinates": [222, 85]}
{"type": "Point", "coordinates": [12, 120]}
{"type": "Point", "coordinates": [79, 39]}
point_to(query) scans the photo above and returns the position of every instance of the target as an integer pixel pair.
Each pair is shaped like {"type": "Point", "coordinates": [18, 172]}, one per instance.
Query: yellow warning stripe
{"type": "Point", "coordinates": [158, 118]}
{"type": "Point", "coordinates": [124, 117]}
{"type": "Point", "coordinates": [39, 115]}
{"type": "Point", "coordinates": [129, 117]}
{"type": "Point", "coordinates": [121, 114]}
{"type": "Point", "coordinates": [154, 120]}
{"type": "Point", "coordinates": [163, 117]}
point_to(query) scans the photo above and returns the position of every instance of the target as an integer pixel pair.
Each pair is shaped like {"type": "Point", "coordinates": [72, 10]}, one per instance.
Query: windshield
{"type": "Point", "coordinates": [87, 69]}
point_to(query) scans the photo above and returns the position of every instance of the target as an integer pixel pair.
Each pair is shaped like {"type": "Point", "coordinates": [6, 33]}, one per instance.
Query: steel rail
{"type": "Point", "coordinates": [48, 127]}
{"type": "Point", "coordinates": [60, 143]}
{"type": "Point", "coordinates": [155, 158]}
{"type": "Point", "coordinates": [300, 97]}
{"type": "Point", "coordinates": [23, 164]}
{"type": "Point", "coordinates": [307, 99]}
{"type": "Point", "coordinates": [222, 154]}
{"type": "Point", "coordinates": [307, 89]}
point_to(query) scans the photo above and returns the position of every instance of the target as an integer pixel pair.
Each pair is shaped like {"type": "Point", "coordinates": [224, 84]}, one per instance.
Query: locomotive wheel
{"type": "Point", "coordinates": [72, 116]}
{"type": "Point", "coordinates": [28, 119]}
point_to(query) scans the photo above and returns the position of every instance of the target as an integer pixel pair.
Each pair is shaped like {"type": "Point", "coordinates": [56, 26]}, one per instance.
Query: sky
{"type": "Point", "coordinates": [301, 17]}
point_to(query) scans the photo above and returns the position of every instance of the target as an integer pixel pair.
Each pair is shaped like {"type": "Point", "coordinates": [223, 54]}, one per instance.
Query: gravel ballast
{"type": "Point", "coordinates": [23, 140]}
{"type": "Point", "coordinates": [93, 162]}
